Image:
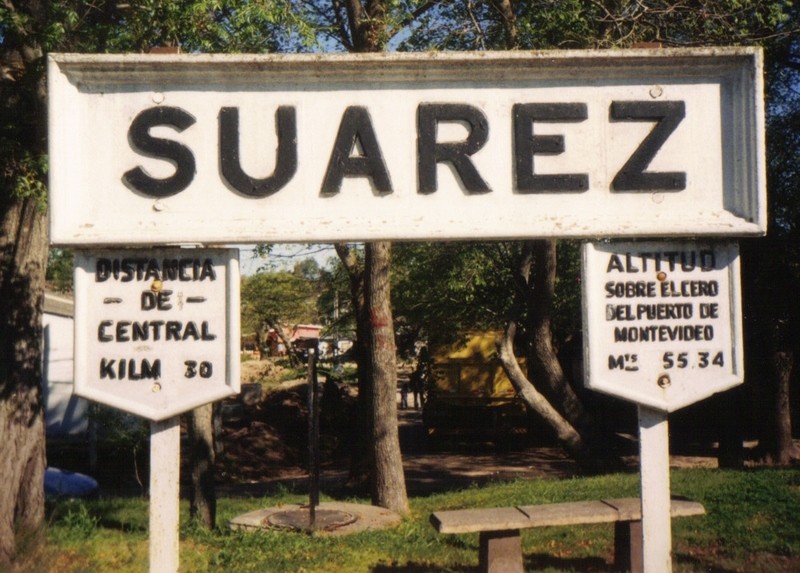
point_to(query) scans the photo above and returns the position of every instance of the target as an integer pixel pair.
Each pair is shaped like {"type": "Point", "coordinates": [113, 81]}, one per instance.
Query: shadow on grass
{"type": "Point", "coordinates": [536, 562]}
{"type": "Point", "coordinates": [544, 562]}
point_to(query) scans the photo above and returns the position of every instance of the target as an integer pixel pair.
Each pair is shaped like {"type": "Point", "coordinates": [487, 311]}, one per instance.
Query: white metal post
{"type": "Point", "coordinates": [654, 473]}
{"type": "Point", "coordinates": [165, 447]}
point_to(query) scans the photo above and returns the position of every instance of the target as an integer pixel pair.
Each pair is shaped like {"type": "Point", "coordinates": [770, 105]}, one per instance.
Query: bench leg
{"type": "Point", "coordinates": [628, 553]}
{"type": "Point", "coordinates": [500, 552]}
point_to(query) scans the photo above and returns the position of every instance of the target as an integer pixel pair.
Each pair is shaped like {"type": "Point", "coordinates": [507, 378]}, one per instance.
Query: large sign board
{"type": "Point", "coordinates": [662, 321]}
{"type": "Point", "coordinates": [157, 331]}
{"type": "Point", "coordinates": [209, 149]}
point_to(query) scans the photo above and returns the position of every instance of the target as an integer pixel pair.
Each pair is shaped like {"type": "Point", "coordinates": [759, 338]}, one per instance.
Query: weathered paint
{"type": "Point", "coordinates": [213, 148]}
{"type": "Point", "coordinates": [157, 331]}
{"type": "Point", "coordinates": [662, 320]}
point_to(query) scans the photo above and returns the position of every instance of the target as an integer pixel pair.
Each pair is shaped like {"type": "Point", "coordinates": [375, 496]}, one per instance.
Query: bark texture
{"type": "Point", "coordinates": [388, 481]}
{"type": "Point", "coordinates": [23, 260]}
{"type": "Point", "coordinates": [360, 451]}
{"type": "Point", "coordinates": [23, 248]}
{"type": "Point", "coordinates": [775, 445]}
{"type": "Point", "coordinates": [202, 492]}
{"type": "Point", "coordinates": [367, 26]}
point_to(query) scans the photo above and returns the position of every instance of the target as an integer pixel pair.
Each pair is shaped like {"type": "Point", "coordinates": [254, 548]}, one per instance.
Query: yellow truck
{"type": "Point", "coordinates": [469, 394]}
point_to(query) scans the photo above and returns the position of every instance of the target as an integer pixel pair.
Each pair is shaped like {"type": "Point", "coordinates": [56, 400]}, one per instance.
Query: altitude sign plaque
{"type": "Point", "coordinates": [662, 321]}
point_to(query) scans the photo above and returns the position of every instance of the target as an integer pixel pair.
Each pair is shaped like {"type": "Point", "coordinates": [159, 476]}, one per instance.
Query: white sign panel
{"type": "Point", "coordinates": [662, 321]}
{"type": "Point", "coordinates": [157, 331]}
{"type": "Point", "coordinates": [219, 149]}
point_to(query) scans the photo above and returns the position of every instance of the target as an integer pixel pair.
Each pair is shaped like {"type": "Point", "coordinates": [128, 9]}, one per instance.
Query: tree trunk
{"type": "Point", "coordinates": [202, 493]}
{"type": "Point", "coordinates": [730, 454]}
{"type": "Point", "coordinates": [388, 481]}
{"type": "Point", "coordinates": [545, 367]}
{"type": "Point", "coordinates": [776, 445]}
{"type": "Point", "coordinates": [546, 390]}
{"type": "Point", "coordinates": [361, 450]}
{"type": "Point", "coordinates": [23, 256]}
{"type": "Point", "coordinates": [23, 261]}
{"type": "Point", "coordinates": [376, 346]}
{"type": "Point", "coordinates": [565, 432]}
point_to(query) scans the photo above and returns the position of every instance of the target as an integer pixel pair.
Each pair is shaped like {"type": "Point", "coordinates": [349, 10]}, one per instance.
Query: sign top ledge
{"type": "Point", "coordinates": [691, 61]}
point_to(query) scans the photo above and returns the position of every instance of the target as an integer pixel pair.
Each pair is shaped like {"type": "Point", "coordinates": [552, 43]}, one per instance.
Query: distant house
{"type": "Point", "coordinates": [66, 415]}
{"type": "Point", "coordinates": [304, 332]}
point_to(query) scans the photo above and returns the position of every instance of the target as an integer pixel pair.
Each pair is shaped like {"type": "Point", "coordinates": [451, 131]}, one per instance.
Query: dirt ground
{"type": "Point", "coordinates": [265, 444]}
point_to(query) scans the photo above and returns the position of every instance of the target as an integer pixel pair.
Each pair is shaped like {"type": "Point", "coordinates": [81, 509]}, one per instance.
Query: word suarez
{"type": "Point", "coordinates": [357, 153]}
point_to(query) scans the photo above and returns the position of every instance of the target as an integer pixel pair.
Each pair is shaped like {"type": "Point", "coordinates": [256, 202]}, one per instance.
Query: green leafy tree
{"type": "Point", "coordinates": [59, 269]}
{"type": "Point", "coordinates": [272, 300]}
{"type": "Point", "coordinates": [504, 24]}
{"type": "Point", "coordinates": [29, 29]}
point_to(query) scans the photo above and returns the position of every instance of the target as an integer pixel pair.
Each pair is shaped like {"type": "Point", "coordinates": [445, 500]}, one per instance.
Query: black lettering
{"type": "Point", "coordinates": [101, 331]}
{"type": "Point", "coordinates": [107, 369]}
{"type": "Point", "coordinates": [151, 371]}
{"type": "Point", "coordinates": [616, 362]}
{"type": "Point", "coordinates": [169, 269]}
{"type": "Point", "coordinates": [285, 157]}
{"type": "Point", "coordinates": [204, 333]}
{"type": "Point", "coordinates": [122, 331]}
{"type": "Point", "coordinates": [190, 331]}
{"type": "Point", "coordinates": [103, 270]}
{"type": "Point", "coordinates": [457, 154]}
{"type": "Point", "coordinates": [180, 156]}
{"type": "Point", "coordinates": [614, 264]}
{"type": "Point", "coordinates": [152, 271]}
{"type": "Point", "coordinates": [633, 177]}
{"type": "Point", "coordinates": [148, 300]}
{"type": "Point", "coordinates": [155, 326]}
{"type": "Point", "coordinates": [173, 328]}
{"type": "Point", "coordinates": [163, 300]}
{"type": "Point", "coordinates": [208, 272]}
{"type": "Point", "coordinates": [708, 261]}
{"type": "Point", "coordinates": [356, 133]}
{"type": "Point", "coordinates": [132, 375]}
{"type": "Point", "coordinates": [139, 331]}
{"type": "Point", "coordinates": [183, 269]}
{"type": "Point", "coordinates": [127, 270]}
{"type": "Point", "coordinates": [527, 146]}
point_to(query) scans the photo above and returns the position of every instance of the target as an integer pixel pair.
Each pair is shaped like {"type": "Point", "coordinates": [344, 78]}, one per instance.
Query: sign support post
{"type": "Point", "coordinates": [165, 458]}
{"type": "Point", "coordinates": [655, 490]}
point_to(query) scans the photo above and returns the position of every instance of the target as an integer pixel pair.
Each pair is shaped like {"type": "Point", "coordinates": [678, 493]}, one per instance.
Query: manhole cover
{"type": "Point", "coordinates": [300, 519]}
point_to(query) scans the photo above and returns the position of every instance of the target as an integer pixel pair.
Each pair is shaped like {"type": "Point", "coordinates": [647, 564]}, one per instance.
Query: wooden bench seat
{"type": "Point", "coordinates": [499, 528]}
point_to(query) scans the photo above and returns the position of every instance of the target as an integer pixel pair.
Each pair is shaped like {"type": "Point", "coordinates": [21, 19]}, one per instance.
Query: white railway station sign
{"type": "Point", "coordinates": [157, 331]}
{"type": "Point", "coordinates": [150, 150]}
{"type": "Point", "coordinates": [663, 321]}
{"type": "Point", "coordinates": [155, 150]}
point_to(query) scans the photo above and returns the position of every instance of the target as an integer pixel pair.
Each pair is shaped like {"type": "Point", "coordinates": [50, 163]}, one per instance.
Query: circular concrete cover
{"type": "Point", "coordinates": [343, 518]}
{"type": "Point", "coordinates": [300, 519]}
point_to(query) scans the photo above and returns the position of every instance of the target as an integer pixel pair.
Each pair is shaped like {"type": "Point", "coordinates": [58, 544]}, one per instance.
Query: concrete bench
{"type": "Point", "coordinates": [499, 528]}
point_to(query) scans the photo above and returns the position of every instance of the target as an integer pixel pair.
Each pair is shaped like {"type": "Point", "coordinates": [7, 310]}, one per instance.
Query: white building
{"type": "Point", "coordinates": [66, 415]}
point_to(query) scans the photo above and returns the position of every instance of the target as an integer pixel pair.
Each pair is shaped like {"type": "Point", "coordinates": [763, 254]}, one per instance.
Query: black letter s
{"type": "Point", "coordinates": [141, 141]}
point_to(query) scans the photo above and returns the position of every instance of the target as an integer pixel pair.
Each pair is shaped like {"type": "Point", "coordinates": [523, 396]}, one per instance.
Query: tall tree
{"type": "Point", "coordinates": [23, 259]}
{"type": "Point", "coordinates": [366, 31]}
{"type": "Point", "coordinates": [28, 30]}
{"type": "Point", "coordinates": [600, 24]}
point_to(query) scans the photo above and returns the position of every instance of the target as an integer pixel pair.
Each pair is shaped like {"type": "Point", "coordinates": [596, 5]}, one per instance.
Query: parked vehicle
{"type": "Point", "coordinates": [469, 394]}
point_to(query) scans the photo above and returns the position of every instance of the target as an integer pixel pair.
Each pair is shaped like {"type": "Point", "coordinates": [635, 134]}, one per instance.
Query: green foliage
{"type": "Point", "coordinates": [23, 172]}
{"type": "Point", "coordinates": [442, 289]}
{"type": "Point", "coordinates": [277, 297]}
{"type": "Point", "coordinates": [749, 526]}
{"type": "Point", "coordinates": [59, 269]}
{"type": "Point", "coordinates": [580, 24]}
{"type": "Point", "coordinates": [75, 524]}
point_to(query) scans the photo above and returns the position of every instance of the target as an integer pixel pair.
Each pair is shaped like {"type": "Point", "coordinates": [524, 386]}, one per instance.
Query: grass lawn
{"type": "Point", "coordinates": [752, 525]}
